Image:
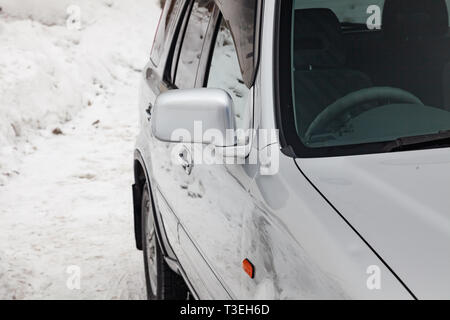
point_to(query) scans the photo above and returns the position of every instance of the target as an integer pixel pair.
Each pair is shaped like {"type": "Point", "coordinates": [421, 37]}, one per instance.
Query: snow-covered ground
{"type": "Point", "coordinates": [68, 120]}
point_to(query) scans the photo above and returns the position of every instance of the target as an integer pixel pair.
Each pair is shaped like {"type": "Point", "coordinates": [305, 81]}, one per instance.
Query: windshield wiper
{"type": "Point", "coordinates": [436, 140]}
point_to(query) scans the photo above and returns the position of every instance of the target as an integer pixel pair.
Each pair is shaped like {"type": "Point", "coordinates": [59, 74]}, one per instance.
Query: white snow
{"type": "Point", "coordinates": [65, 199]}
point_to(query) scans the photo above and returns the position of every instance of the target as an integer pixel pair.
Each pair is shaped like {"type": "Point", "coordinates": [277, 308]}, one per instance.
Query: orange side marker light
{"type": "Point", "coordinates": [248, 268]}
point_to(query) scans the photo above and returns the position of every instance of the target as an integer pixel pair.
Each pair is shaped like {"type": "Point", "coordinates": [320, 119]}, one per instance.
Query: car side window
{"type": "Point", "coordinates": [225, 73]}
{"type": "Point", "coordinates": [166, 21]}
{"type": "Point", "coordinates": [192, 45]}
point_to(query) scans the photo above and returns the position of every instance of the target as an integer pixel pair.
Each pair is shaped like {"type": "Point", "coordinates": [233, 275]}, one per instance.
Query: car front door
{"type": "Point", "coordinates": [216, 195]}
{"type": "Point", "coordinates": [169, 179]}
{"type": "Point", "coordinates": [204, 206]}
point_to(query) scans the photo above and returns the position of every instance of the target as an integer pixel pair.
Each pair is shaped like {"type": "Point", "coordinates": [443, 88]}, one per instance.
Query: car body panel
{"type": "Point", "coordinates": [399, 202]}
{"type": "Point", "coordinates": [302, 249]}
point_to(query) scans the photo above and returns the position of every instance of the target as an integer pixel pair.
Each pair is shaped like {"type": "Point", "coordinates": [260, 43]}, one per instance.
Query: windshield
{"type": "Point", "coordinates": [367, 71]}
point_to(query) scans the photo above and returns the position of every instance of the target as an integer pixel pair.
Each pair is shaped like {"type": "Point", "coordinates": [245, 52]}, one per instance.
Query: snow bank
{"type": "Point", "coordinates": [49, 12]}
{"type": "Point", "coordinates": [70, 203]}
{"type": "Point", "coordinates": [52, 12]}
{"type": "Point", "coordinates": [50, 69]}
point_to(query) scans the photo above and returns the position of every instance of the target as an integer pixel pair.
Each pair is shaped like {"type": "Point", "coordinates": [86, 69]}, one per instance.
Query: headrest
{"type": "Point", "coordinates": [318, 39]}
{"type": "Point", "coordinates": [415, 18]}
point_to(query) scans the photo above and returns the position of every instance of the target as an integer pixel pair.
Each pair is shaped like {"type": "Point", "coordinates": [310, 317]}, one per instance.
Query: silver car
{"type": "Point", "coordinates": [296, 149]}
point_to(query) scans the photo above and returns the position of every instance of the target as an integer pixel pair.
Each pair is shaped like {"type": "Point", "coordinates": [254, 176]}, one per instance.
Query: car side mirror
{"type": "Point", "coordinates": [194, 116]}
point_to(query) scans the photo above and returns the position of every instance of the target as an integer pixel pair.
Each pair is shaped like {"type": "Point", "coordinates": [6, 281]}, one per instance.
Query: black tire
{"type": "Point", "coordinates": [162, 283]}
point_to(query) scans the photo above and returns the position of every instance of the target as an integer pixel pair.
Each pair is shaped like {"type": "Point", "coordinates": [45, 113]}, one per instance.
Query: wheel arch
{"type": "Point", "coordinates": [141, 176]}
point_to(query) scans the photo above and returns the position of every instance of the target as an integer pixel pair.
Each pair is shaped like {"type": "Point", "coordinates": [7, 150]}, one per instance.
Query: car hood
{"type": "Point", "coordinates": [400, 204]}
